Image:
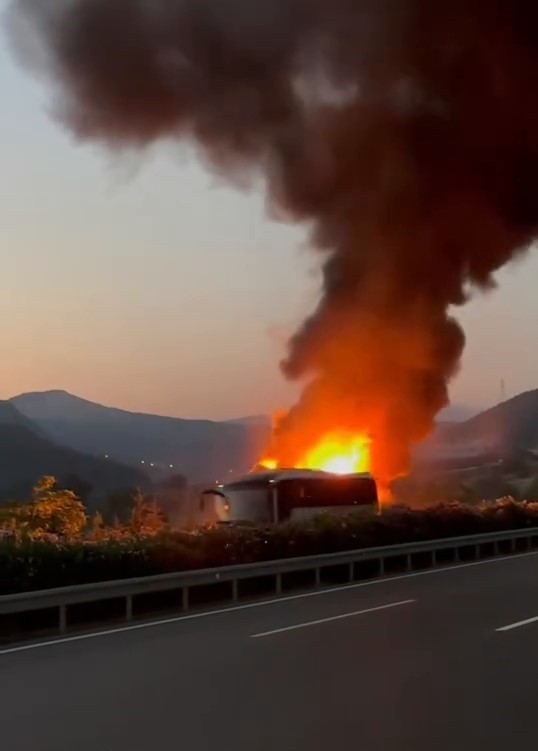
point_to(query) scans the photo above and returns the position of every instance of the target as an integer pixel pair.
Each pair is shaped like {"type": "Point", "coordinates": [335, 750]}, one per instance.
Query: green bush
{"type": "Point", "coordinates": [29, 565]}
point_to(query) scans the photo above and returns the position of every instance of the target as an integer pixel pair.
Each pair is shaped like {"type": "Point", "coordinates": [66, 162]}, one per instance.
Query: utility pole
{"type": "Point", "coordinates": [503, 391]}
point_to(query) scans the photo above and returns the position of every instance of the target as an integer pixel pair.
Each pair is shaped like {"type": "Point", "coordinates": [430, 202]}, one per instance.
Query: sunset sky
{"type": "Point", "coordinates": [141, 282]}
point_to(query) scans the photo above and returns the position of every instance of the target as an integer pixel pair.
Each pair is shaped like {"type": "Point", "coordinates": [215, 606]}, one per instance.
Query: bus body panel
{"type": "Point", "coordinates": [282, 496]}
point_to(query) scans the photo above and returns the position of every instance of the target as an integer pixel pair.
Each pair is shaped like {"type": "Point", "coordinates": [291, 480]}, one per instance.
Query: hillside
{"type": "Point", "coordinates": [501, 431]}
{"type": "Point", "coordinates": [456, 413]}
{"type": "Point", "coordinates": [199, 449]}
{"type": "Point", "coordinates": [10, 415]}
{"type": "Point", "coordinates": [256, 420]}
{"type": "Point", "coordinates": [26, 454]}
{"type": "Point", "coordinates": [511, 426]}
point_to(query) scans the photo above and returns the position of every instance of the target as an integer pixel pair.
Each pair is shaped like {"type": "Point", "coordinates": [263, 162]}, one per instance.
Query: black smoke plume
{"type": "Point", "coordinates": [404, 132]}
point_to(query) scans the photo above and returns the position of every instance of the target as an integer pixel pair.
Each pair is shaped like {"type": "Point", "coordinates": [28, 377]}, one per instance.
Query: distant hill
{"type": "Point", "coordinates": [502, 431]}
{"type": "Point", "coordinates": [456, 413]}
{"type": "Point", "coordinates": [259, 420]}
{"type": "Point", "coordinates": [511, 425]}
{"type": "Point", "coordinates": [10, 415]}
{"type": "Point", "coordinates": [26, 454]}
{"type": "Point", "coordinates": [202, 450]}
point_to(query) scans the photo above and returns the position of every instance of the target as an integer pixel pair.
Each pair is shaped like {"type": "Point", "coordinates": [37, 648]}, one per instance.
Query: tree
{"type": "Point", "coordinates": [56, 511]}
{"type": "Point", "coordinates": [155, 520]}
{"type": "Point", "coordinates": [98, 528]}
{"type": "Point", "coordinates": [146, 516]}
{"type": "Point", "coordinates": [13, 518]}
{"type": "Point", "coordinates": [81, 487]}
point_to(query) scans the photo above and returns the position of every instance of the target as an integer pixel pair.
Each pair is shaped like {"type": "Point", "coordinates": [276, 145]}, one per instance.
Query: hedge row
{"type": "Point", "coordinates": [41, 565]}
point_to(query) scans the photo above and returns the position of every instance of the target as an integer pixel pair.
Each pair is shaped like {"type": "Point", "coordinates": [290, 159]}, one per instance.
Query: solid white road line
{"type": "Point", "coordinates": [328, 620]}
{"type": "Point", "coordinates": [518, 624]}
{"type": "Point", "coordinates": [263, 603]}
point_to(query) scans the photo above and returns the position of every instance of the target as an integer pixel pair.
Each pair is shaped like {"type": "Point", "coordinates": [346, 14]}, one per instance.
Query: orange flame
{"type": "Point", "coordinates": [341, 453]}
{"type": "Point", "coordinates": [269, 464]}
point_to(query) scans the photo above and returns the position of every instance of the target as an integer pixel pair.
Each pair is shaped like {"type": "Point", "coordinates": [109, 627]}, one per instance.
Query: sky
{"type": "Point", "coordinates": [142, 282]}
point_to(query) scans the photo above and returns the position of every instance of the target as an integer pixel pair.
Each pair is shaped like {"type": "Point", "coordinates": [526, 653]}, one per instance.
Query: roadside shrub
{"type": "Point", "coordinates": [27, 564]}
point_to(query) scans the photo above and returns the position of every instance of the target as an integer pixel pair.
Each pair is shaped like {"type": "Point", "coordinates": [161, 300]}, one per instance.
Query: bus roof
{"type": "Point", "coordinates": [278, 475]}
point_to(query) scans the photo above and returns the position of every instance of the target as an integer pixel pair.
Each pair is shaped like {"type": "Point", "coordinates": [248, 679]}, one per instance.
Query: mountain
{"type": "Point", "coordinates": [500, 432]}
{"type": "Point", "coordinates": [10, 415]}
{"type": "Point", "coordinates": [256, 420]}
{"type": "Point", "coordinates": [26, 453]}
{"type": "Point", "coordinates": [511, 425]}
{"type": "Point", "coordinates": [456, 413]}
{"type": "Point", "coordinates": [202, 450]}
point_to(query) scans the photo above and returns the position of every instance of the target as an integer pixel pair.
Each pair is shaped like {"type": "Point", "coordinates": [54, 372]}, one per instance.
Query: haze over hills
{"type": "Point", "coordinates": [511, 425]}
{"type": "Point", "coordinates": [10, 415]}
{"type": "Point", "coordinates": [452, 413]}
{"type": "Point", "coordinates": [205, 450]}
{"type": "Point", "coordinates": [456, 413]}
{"type": "Point", "coordinates": [260, 420]}
{"type": "Point", "coordinates": [492, 455]}
{"type": "Point", "coordinates": [202, 450]}
{"type": "Point", "coordinates": [503, 431]}
{"type": "Point", "coordinates": [27, 453]}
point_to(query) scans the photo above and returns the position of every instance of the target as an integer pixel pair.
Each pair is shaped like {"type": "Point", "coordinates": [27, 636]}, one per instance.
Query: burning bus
{"type": "Point", "coordinates": [281, 495]}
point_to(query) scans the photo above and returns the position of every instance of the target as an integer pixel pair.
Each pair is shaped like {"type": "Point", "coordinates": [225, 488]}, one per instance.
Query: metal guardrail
{"type": "Point", "coordinates": [476, 546]}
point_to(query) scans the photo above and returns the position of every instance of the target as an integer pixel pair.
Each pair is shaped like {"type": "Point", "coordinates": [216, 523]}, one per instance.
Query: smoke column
{"type": "Point", "coordinates": [404, 132]}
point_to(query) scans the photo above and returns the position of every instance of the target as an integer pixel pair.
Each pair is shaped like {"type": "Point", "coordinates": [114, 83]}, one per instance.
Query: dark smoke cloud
{"type": "Point", "coordinates": [404, 131]}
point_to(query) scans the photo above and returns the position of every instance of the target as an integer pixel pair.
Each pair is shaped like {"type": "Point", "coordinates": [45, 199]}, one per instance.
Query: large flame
{"type": "Point", "coordinates": [338, 452]}
{"type": "Point", "coordinates": [268, 463]}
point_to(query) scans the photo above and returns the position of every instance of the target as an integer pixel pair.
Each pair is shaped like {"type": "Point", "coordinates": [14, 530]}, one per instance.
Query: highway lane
{"type": "Point", "coordinates": [412, 663]}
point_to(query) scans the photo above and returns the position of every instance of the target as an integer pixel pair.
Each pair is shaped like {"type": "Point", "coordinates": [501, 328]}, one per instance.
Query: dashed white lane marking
{"type": "Point", "coordinates": [518, 624]}
{"type": "Point", "coordinates": [333, 618]}
{"type": "Point", "coordinates": [263, 603]}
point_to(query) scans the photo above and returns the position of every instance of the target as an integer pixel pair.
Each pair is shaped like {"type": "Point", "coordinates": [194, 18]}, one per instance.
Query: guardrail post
{"type": "Point", "coordinates": [406, 555]}
{"type": "Point", "coordinates": [129, 608]}
{"type": "Point", "coordinates": [62, 619]}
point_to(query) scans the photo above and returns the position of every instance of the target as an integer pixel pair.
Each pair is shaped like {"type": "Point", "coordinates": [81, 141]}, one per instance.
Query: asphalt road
{"type": "Point", "coordinates": [415, 663]}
